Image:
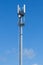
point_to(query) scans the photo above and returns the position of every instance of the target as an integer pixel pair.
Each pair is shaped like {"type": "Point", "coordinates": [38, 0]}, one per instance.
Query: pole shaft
{"type": "Point", "coordinates": [20, 44]}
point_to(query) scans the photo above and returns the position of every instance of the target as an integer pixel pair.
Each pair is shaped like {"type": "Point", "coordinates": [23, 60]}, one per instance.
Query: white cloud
{"type": "Point", "coordinates": [34, 64]}
{"type": "Point", "coordinates": [30, 53]}
{"type": "Point", "coordinates": [10, 51]}
{"type": "Point", "coordinates": [3, 59]}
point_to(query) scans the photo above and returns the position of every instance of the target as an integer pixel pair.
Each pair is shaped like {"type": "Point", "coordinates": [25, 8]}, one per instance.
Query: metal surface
{"type": "Point", "coordinates": [21, 24]}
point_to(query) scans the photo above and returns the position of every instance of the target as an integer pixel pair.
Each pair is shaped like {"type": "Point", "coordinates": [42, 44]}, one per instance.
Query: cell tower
{"type": "Point", "coordinates": [21, 13]}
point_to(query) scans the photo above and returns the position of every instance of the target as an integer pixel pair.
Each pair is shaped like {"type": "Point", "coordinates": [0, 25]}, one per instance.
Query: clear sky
{"type": "Point", "coordinates": [32, 32]}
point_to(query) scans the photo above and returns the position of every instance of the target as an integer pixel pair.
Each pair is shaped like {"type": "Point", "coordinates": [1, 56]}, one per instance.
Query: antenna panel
{"type": "Point", "coordinates": [24, 8]}
{"type": "Point", "coordinates": [18, 8]}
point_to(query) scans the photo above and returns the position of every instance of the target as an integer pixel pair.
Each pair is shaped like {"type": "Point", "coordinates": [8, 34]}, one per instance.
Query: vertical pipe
{"type": "Point", "coordinates": [20, 15]}
{"type": "Point", "coordinates": [21, 41]}
{"type": "Point", "coordinates": [20, 44]}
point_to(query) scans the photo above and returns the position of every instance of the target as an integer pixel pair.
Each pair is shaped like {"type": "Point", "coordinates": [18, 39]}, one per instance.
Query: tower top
{"type": "Point", "coordinates": [21, 12]}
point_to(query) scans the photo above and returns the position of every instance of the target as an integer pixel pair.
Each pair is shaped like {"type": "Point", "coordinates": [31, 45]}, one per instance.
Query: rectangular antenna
{"type": "Point", "coordinates": [24, 8]}
{"type": "Point", "coordinates": [18, 8]}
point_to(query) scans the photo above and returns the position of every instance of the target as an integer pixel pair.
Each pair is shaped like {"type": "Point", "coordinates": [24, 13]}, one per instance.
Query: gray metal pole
{"type": "Point", "coordinates": [21, 14]}
{"type": "Point", "coordinates": [20, 42]}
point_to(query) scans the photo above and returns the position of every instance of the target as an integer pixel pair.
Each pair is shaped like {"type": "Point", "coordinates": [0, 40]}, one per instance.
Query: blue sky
{"type": "Point", "coordinates": [33, 32]}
